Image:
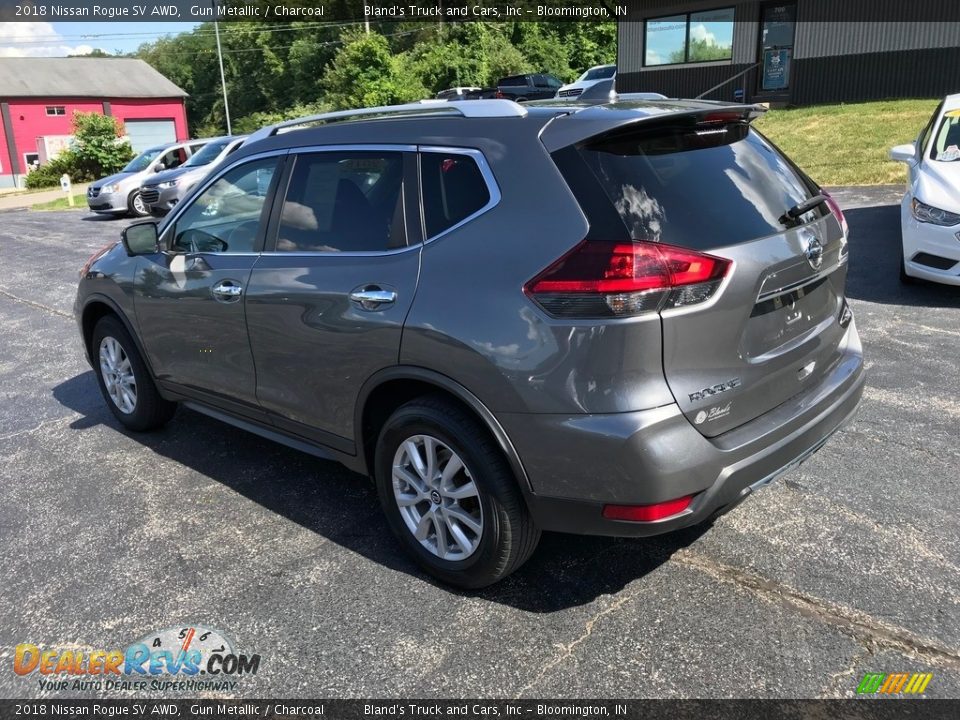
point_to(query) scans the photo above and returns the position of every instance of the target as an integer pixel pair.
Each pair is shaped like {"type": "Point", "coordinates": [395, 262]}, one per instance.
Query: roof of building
{"type": "Point", "coordinates": [83, 77]}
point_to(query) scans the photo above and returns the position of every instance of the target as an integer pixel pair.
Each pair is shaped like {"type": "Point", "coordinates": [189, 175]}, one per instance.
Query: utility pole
{"type": "Point", "coordinates": [223, 79]}
{"type": "Point", "coordinates": [366, 19]}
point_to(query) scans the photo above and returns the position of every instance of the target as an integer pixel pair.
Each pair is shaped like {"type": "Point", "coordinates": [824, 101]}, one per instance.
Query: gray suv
{"type": "Point", "coordinates": [119, 194]}
{"type": "Point", "coordinates": [614, 319]}
{"type": "Point", "coordinates": [162, 191]}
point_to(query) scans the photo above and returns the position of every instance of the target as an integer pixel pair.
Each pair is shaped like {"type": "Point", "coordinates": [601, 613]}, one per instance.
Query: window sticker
{"type": "Point", "coordinates": [951, 154]}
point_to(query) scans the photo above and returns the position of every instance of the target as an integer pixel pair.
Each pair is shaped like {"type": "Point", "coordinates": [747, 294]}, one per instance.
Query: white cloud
{"type": "Point", "coordinates": [36, 39]}
{"type": "Point", "coordinates": [700, 32]}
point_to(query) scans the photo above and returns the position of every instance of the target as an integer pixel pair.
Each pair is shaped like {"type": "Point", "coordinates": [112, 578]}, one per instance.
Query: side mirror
{"type": "Point", "coordinates": [141, 239]}
{"type": "Point", "coordinates": [904, 153]}
{"type": "Point", "coordinates": [159, 167]}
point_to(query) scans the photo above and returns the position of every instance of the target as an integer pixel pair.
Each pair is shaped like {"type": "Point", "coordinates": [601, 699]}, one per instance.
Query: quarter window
{"type": "Point", "coordinates": [344, 202]}
{"type": "Point", "coordinates": [226, 217]}
{"type": "Point", "coordinates": [453, 189]}
{"type": "Point", "coordinates": [689, 38]}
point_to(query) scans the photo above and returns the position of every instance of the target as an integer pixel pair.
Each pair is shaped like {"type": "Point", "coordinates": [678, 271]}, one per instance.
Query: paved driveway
{"type": "Point", "coordinates": [848, 565]}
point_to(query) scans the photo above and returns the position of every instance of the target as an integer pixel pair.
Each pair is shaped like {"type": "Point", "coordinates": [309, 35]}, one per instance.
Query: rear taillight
{"type": "Point", "coordinates": [599, 279]}
{"type": "Point", "coordinates": [835, 209]}
{"type": "Point", "coordinates": [499, 95]}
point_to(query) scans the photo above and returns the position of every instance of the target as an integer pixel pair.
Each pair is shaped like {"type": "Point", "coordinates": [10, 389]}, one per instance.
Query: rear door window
{"type": "Point", "coordinates": [699, 186]}
{"type": "Point", "coordinates": [453, 190]}
{"type": "Point", "coordinates": [344, 202]}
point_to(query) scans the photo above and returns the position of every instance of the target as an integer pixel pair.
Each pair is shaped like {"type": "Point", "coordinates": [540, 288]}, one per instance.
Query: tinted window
{"type": "Point", "coordinates": [207, 154]}
{"type": "Point", "coordinates": [600, 73]}
{"type": "Point", "coordinates": [700, 187]}
{"type": "Point", "coordinates": [344, 202]}
{"type": "Point", "coordinates": [226, 216]}
{"type": "Point", "coordinates": [515, 80]}
{"type": "Point", "coordinates": [453, 190]}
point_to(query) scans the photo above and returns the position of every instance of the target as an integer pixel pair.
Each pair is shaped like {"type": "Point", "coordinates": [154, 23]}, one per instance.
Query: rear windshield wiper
{"type": "Point", "coordinates": [801, 208]}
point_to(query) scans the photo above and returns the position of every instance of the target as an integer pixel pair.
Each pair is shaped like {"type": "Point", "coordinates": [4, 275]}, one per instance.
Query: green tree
{"type": "Point", "coordinates": [365, 73]}
{"type": "Point", "coordinates": [98, 147]}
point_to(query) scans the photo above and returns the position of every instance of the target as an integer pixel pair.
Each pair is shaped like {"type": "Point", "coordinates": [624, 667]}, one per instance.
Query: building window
{"type": "Point", "coordinates": [56, 110]}
{"type": "Point", "coordinates": [689, 38]}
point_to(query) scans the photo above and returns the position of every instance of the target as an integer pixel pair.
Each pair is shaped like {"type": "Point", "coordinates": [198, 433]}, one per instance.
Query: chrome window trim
{"type": "Point", "coordinates": [492, 188]}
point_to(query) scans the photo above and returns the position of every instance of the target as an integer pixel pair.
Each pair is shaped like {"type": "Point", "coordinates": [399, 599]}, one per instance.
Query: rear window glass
{"type": "Point", "coordinates": [698, 187]}
{"type": "Point", "coordinates": [453, 190]}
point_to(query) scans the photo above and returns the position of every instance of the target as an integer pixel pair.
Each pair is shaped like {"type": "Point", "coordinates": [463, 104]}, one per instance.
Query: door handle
{"type": "Point", "coordinates": [227, 291]}
{"type": "Point", "coordinates": [372, 297]}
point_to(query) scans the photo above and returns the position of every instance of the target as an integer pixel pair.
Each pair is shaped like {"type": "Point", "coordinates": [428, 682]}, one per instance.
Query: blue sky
{"type": "Point", "coordinates": [41, 39]}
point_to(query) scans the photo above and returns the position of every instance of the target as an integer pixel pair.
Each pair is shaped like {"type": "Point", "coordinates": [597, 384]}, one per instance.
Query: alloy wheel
{"type": "Point", "coordinates": [117, 374]}
{"type": "Point", "coordinates": [437, 497]}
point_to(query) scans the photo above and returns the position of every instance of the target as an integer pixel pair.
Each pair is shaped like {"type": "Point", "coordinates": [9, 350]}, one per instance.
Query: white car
{"type": "Point", "coordinates": [930, 212]}
{"type": "Point", "coordinates": [590, 78]}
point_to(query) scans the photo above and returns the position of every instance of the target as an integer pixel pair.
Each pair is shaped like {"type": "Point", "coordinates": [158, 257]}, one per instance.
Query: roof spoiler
{"type": "Point", "coordinates": [596, 120]}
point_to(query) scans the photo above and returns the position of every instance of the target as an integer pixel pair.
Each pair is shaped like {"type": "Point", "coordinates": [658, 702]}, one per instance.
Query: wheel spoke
{"type": "Point", "coordinates": [430, 454]}
{"type": "Point", "coordinates": [442, 547]}
{"type": "Point", "coordinates": [413, 452]}
{"type": "Point", "coordinates": [462, 492]}
{"type": "Point", "coordinates": [450, 470]}
{"type": "Point", "coordinates": [464, 518]}
{"type": "Point", "coordinates": [423, 527]}
{"type": "Point", "coordinates": [410, 479]}
{"type": "Point", "coordinates": [408, 499]}
{"type": "Point", "coordinates": [458, 535]}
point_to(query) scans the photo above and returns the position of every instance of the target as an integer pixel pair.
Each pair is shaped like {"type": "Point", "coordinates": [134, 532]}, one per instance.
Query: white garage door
{"type": "Point", "coordinates": [147, 133]}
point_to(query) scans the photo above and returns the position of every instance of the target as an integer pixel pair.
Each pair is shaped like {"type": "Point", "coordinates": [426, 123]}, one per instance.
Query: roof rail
{"type": "Point", "coordinates": [461, 108]}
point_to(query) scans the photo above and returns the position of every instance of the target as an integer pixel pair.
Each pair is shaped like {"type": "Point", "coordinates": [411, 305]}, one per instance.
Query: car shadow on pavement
{"type": "Point", "coordinates": [874, 274]}
{"type": "Point", "coordinates": [342, 506]}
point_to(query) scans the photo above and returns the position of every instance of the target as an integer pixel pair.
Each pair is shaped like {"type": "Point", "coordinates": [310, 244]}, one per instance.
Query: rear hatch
{"type": "Point", "coordinates": [711, 184]}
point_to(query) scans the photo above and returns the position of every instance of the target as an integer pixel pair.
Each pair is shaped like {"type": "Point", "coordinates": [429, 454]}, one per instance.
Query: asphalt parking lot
{"type": "Point", "coordinates": [849, 564]}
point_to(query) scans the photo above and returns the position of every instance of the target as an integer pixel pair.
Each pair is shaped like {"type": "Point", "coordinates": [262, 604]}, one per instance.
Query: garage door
{"type": "Point", "coordinates": [147, 133]}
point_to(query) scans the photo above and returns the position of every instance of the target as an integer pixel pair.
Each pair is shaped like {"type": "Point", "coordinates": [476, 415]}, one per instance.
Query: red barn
{"type": "Point", "coordinates": [38, 97]}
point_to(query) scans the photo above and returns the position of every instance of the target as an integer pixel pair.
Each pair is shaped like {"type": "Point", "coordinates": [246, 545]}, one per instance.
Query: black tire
{"type": "Point", "coordinates": [509, 535]}
{"type": "Point", "coordinates": [135, 206]}
{"type": "Point", "coordinates": [150, 411]}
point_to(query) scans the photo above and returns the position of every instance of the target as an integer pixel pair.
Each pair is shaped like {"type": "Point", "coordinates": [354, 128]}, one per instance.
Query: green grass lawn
{"type": "Point", "coordinates": [79, 201]}
{"type": "Point", "coordinates": [848, 144]}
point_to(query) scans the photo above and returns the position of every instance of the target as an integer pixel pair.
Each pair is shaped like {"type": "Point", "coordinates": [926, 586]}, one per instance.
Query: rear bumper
{"type": "Point", "coordinates": [577, 464]}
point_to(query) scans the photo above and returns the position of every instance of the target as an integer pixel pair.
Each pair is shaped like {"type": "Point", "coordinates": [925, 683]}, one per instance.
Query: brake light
{"type": "Point", "coordinates": [599, 279]}
{"type": "Point", "coordinates": [499, 95]}
{"type": "Point", "coordinates": [647, 513]}
{"type": "Point", "coordinates": [835, 209]}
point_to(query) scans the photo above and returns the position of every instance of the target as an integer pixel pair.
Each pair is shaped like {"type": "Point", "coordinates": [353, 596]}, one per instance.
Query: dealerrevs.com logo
{"type": "Point", "coordinates": [191, 659]}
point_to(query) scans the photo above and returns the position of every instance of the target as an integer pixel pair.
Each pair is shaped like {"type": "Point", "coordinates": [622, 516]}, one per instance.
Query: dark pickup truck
{"type": "Point", "coordinates": [531, 86]}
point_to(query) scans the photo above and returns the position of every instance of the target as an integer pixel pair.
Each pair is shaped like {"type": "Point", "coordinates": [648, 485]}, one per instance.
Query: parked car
{"type": "Point", "coordinates": [930, 211]}
{"type": "Point", "coordinates": [532, 86]}
{"type": "Point", "coordinates": [590, 78]}
{"type": "Point", "coordinates": [458, 93]}
{"type": "Point", "coordinates": [160, 192]}
{"type": "Point", "coordinates": [371, 286]}
{"type": "Point", "coordinates": [119, 194]}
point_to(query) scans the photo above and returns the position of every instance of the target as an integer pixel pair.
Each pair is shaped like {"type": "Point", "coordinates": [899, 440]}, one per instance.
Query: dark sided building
{"type": "Point", "coordinates": [800, 52]}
